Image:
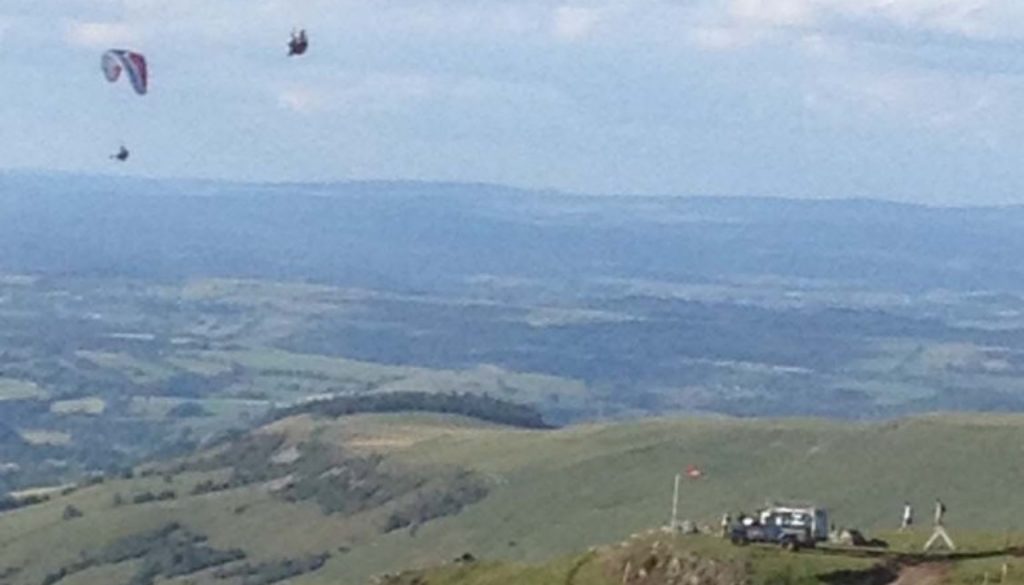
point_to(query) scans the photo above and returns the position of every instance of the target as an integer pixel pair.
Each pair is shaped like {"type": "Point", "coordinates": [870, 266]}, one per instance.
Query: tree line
{"type": "Point", "coordinates": [478, 406]}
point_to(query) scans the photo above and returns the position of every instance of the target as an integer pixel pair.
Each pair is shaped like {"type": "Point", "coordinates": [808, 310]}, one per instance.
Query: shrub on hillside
{"type": "Point", "coordinates": [443, 497]}
{"type": "Point", "coordinates": [273, 572]}
{"type": "Point", "coordinates": [71, 512]}
{"type": "Point", "coordinates": [11, 503]}
{"type": "Point", "coordinates": [147, 497]}
{"type": "Point", "coordinates": [209, 486]}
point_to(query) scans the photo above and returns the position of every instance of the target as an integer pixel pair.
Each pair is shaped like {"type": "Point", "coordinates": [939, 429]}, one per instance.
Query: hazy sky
{"type": "Point", "coordinates": [907, 99]}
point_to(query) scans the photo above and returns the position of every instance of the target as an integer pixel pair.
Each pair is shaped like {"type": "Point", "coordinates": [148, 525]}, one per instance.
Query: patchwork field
{"type": "Point", "coordinates": [125, 369]}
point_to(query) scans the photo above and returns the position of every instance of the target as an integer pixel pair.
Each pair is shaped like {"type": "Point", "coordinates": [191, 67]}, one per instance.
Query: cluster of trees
{"type": "Point", "coordinates": [477, 406]}
{"type": "Point", "coordinates": [250, 460]}
{"type": "Point", "coordinates": [292, 373]}
{"type": "Point", "coordinates": [145, 497]}
{"type": "Point", "coordinates": [188, 410]}
{"type": "Point", "coordinates": [343, 483]}
{"type": "Point", "coordinates": [8, 503]}
{"type": "Point", "coordinates": [445, 496]}
{"type": "Point", "coordinates": [272, 572]}
{"type": "Point", "coordinates": [346, 485]}
{"type": "Point", "coordinates": [181, 558]}
{"type": "Point", "coordinates": [168, 552]}
{"type": "Point", "coordinates": [209, 486]}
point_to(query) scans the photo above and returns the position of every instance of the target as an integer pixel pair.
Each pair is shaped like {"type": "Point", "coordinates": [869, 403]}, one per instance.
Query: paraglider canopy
{"type": "Point", "coordinates": [298, 43]}
{"type": "Point", "coordinates": [133, 64]}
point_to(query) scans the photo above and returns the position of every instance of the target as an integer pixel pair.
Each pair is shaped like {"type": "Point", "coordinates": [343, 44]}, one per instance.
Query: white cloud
{"type": "Point", "coordinates": [969, 19]}
{"type": "Point", "coordinates": [99, 35]}
{"type": "Point", "coordinates": [723, 38]}
{"type": "Point", "coordinates": [967, 104]}
{"type": "Point", "coordinates": [572, 23]}
{"type": "Point", "coordinates": [828, 53]}
{"type": "Point", "coordinates": [785, 13]}
{"type": "Point", "coordinates": [378, 92]}
{"type": "Point", "coordinates": [821, 46]}
{"type": "Point", "coordinates": [302, 100]}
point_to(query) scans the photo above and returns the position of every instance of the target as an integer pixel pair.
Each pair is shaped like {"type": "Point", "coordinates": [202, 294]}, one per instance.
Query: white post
{"type": "Point", "coordinates": [675, 505]}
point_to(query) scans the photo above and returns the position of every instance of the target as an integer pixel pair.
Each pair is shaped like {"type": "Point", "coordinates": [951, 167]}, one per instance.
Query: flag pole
{"type": "Point", "coordinates": [675, 505]}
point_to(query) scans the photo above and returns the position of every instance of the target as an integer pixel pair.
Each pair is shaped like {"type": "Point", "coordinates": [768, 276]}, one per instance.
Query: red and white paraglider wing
{"type": "Point", "coordinates": [133, 64]}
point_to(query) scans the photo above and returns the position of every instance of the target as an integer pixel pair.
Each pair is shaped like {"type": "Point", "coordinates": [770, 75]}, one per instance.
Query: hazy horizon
{"type": "Point", "coordinates": [115, 178]}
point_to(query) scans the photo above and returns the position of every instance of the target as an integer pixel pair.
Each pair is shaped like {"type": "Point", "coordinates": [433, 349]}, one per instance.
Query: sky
{"type": "Point", "coordinates": [911, 100]}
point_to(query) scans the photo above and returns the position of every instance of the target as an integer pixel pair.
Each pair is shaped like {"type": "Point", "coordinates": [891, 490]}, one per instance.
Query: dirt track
{"type": "Point", "coordinates": [923, 574]}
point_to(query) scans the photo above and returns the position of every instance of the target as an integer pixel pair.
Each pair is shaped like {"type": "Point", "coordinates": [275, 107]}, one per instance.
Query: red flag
{"type": "Point", "coordinates": [694, 472]}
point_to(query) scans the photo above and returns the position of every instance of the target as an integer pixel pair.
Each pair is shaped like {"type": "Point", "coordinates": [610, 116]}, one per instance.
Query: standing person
{"type": "Point", "coordinates": [908, 517]}
{"type": "Point", "coordinates": [940, 530]}
{"type": "Point", "coordinates": [940, 512]}
{"type": "Point", "coordinates": [726, 523]}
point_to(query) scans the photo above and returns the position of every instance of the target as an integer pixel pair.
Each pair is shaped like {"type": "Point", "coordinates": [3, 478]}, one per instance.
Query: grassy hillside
{"type": "Point", "coordinates": [546, 494]}
{"type": "Point", "coordinates": [657, 558]}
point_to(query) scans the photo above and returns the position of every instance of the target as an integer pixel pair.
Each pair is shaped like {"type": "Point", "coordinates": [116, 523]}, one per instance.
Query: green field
{"type": "Point", "coordinates": [20, 390]}
{"type": "Point", "coordinates": [128, 368]}
{"type": "Point", "coordinates": [554, 494]}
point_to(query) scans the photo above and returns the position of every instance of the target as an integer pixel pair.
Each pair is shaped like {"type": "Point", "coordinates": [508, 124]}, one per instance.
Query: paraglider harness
{"type": "Point", "coordinates": [298, 43]}
{"type": "Point", "coordinates": [122, 154]}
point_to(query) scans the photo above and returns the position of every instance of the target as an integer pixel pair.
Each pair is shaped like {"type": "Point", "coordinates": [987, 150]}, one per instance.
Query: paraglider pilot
{"type": "Point", "coordinates": [122, 154]}
{"type": "Point", "coordinates": [298, 43]}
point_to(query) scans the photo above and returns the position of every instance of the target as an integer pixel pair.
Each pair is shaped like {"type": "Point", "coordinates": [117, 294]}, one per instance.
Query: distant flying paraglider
{"type": "Point", "coordinates": [133, 64]}
{"type": "Point", "coordinates": [121, 155]}
{"type": "Point", "coordinates": [298, 43]}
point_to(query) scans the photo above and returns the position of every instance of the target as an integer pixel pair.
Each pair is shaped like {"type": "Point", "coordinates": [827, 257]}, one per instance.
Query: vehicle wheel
{"type": "Point", "coordinates": [739, 540]}
{"type": "Point", "coordinates": [791, 545]}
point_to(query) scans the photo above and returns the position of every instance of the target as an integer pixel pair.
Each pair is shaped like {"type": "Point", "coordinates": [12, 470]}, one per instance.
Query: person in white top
{"type": "Point", "coordinates": [908, 517]}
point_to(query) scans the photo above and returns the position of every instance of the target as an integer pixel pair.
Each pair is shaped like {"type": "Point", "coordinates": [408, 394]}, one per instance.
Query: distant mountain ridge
{"type": "Point", "coordinates": [435, 236]}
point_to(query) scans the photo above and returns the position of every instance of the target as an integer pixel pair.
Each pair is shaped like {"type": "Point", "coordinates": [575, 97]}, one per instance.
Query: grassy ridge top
{"type": "Point", "coordinates": [657, 558]}
{"type": "Point", "coordinates": [555, 492]}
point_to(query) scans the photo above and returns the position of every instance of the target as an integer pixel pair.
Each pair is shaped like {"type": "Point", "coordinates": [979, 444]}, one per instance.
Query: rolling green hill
{"type": "Point", "coordinates": [340, 500]}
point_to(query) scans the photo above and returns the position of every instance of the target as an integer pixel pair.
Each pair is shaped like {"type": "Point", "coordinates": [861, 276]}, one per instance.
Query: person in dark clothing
{"type": "Point", "coordinates": [298, 43]}
{"type": "Point", "coordinates": [121, 155]}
